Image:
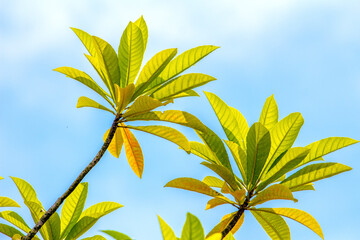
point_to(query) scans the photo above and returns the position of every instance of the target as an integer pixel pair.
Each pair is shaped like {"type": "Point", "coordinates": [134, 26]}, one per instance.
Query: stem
{"type": "Point", "coordinates": [237, 216]}
{"type": "Point", "coordinates": [78, 180]}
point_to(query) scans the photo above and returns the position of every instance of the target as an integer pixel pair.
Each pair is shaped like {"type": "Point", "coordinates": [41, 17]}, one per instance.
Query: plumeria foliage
{"type": "Point", "coordinates": [131, 93]}
{"type": "Point", "coordinates": [267, 168]}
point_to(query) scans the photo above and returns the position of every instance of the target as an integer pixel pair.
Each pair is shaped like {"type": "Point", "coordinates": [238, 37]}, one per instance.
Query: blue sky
{"type": "Point", "coordinates": [306, 53]}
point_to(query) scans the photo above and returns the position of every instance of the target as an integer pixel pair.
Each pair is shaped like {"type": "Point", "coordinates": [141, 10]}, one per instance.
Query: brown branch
{"type": "Point", "coordinates": [237, 216]}
{"type": "Point", "coordinates": [78, 180]}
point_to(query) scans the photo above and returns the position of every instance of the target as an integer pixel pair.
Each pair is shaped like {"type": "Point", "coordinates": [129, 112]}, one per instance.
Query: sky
{"type": "Point", "coordinates": [306, 53]}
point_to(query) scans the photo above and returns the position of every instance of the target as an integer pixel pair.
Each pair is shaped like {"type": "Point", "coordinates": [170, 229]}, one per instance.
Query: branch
{"type": "Point", "coordinates": [78, 180]}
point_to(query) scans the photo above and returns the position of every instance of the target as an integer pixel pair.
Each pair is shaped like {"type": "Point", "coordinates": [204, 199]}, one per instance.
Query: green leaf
{"type": "Point", "coordinates": [192, 229]}
{"type": "Point", "coordinates": [8, 202]}
{"type": "Point", "coordinates": [87, 102]}
{"type": "Point", "coordinates": [142, 104]}
{"type": "Point", "coordinates": [166, 231]}
{"type": "Point", "coordinates": [180, 84]}
{"type": "Point", "coordinates": [167, 133]}
{"type": "Point", "coordinates": [226, 118]}
{"type": "Point", "coordinates": [143, 28]}
{"type": "Point", "coordinates": [73, 206]}
{"type": "Point", "coordinates": [96, 237]}
{"type": "Point", "coordinates": [258, 143]}
{"type": "Point", "coordinates": [26, 190]}
{"type": "Point", "coordinates": [273, 192]}
{"type": "Point", "coordinates": [201, 150]}
{"type": "Point", "coordinates": [173, 116]}
{"type": "Point", "coordinates": [242, 123]}
{"type": "Point", "coordinates": [90, 216]}
{"type": "Point", "coordinates": [239, 156]}
{"type": "Point", "coordinates": [9, 231]}
{"type": "Point", "coordinates": [182, 62]}
{"type": "Point", "coordinates": [270, 113]}
{"type": "Point", "coordinates": [116, 235]}
{"type": "Point", "coordinates": [115, 144]}
{"type": "Point", "coordinates": [55, 226]}
{"type": "Point", "coordinates": [274, 225]}
{"type": "Point", "coordinates": [15, 219]}
{"type": "Point", "coordinates": [37, 212]}
{"type": "Point", "coordinates": [295, 214]}
{"type": "Point", "coordinates": [214, 143]}
{"type": "Point", "coordinates": [224, 173]}
{"type": "Point", "coordinates": [130, 54]}
{"type": "Point", "coordinates": [326, 146]}
{"type": "Point", "coordinates": [288, 161]}
{"type": "Point", "coordinates": [86, 39]}
{"type": "Point", "coordinates": [283, 136]}
{"type": "Point", "coordinates": [192, 184]}
{"type": "Point", "coordinates": [84, 79]}
{"type": "Point", "coordinates": [152, 69]}
{"type": "Point", "coordinates": [314, 172]}
{"type": "Point", "coordinates": [213, 181]}
{"type": "Point", "coordinates": [309, 186]}
{"type": "Point", "coordinates": [188, 93]}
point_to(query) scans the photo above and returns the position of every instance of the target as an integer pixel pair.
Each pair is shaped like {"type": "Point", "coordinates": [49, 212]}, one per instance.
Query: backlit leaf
{"type": "Point", "coordinates": [213, 181]}
{"type": "Point", "coordinates": [87, 102]}
{"type": "Point", "coordinates": [239, 156]}
{"type": "Point", "coordinates": [192, 229]}
{"type": "Point", "coordinates": [242, 123]}
{"type": "Point", "coordinates": [37, 212]}
{"type": "Point", "coordinates": [192, 184]}
{"type": "Point", "coordinates": [117, 235]}
{"type": "Point", "coordinates": [123, 96]}
{"type": "Point", "coordinates": [309, 186]}
{"type": "Point", "coordinates": [216, 201]}
{"type": "Point", "coordinates": [15, 219]}
{"type": "Point", "coordinates": [143, 28]}
{"type": "Point", "coordinates": [8, 202]}
{"type": "Point", "coordinates": [270, 113]}
{"type": "Point", "coordinates": [276, 191]}
{"type": "Point", "coordinates": [86, 39]}
{"type": "Point", "coordinates": [9, 231]}
{"type": "Point", "coordinates": [225, 222]}
{"type": "Point", "coordinates": [166, 231]}
{"type": "Point", "coordinates": [115, 144]}
{"type": "Point", "coordinates": [201, 150]}
{"type": "Point", "coordinates": [224, 173]}
{"type": "Point", "coordinates": [142, 104]}
{"type": "Point", "coordinates": [96, 237]}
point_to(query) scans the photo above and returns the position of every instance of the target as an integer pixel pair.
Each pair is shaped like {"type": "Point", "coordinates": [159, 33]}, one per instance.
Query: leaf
{"type": "Point", "coordinates": [55, 226]}
{"type": "Point", "coordinates": [274, 225]}
{"type": "Point", "coordinates": [226, 118]}
{"type": "Point", "coordinates": [84, 79]}
{"type": "Point", "coordinates": [16, 237]}
{"type": "Point", "coordinates": [73, 206]}
{"type": "Point", "coordinates": [216, 201]}
{"type": "Point", "coordinates": [242, 123]}
{"type": "Point", "coordinates": [273, 192]}
{"type": "Point", "coordinates": [180, 84]}
{"type": "Point", "coordinates": [201, 150]}
{"type": "Point", "coordinates": [142, 104]}
{"type": "Point", "coordinates": [182, 62]}
{"type": "Point", "coordinates": [90, 216]}
{"type": "Point", "coordinates": [1, 178]}
{"type": "Point", "coordinates": [167, 133]}
{"type": "Point", "coordinates": [96, 237]}
{"type": "Point", "coordinates": [239, 195]}
{"type": "Point", "coordinates": [239, 156]}
{"type": "Point", "coordinates": [26, 190]}
{"type": "Point", "coordinates": [298, 215]}
{"type": "Point", "coordinates": [173, 116]}
{"type": "Point", "coordinates": [8, 202]}
{"type": "Point", "coordinates": [116, 235]}
{"type": "Point", "coordinates": [213, 181]}
{"type": "Point", "coordinates": [216, 236]}
{"type": "Point", "coordinates": [143, 28]}
{"type": "Point", "coordinates": [314, 172]}
{"type": "Point", "coordinates": [130, 54]}
{"type": "Point", "coordinates": [116, 143]}
{"type": "Point", "coordinates": [326, 146]}
{"type": "Point", "coordinates": [224, 173]}
{"type": "Point", "coordinates": [166, 231]}
{"type": "Point", "coordinates": [188, 93]}
{"type": "Point", "coordinates": [283, 136]}
{"type": "Point", "coordinates": [270, 113]}
{"type": "Point", "coordinates": [86, 39]}
{"type": "Point", "coordinates": [87, 102]}
{"type": "Point", "coordinates": [258, 146]}
{"type": "Point", "coordinates": [214, 143]}
{"type": "Point", "coordinates": [133, 151]}
{"type": "Point", "coordinates": [309, 186]}
{"type": "Point", "coordinates": [192, 229]}
{"type": "Point", "coordinates": [37, 212]}
{"type": "Point", "coordinates": [123, 96]}
{"type": "Point", "coordinates": [15, 219]}
{"type": "Point", "coordinates": [9, 231]}
{"type": "Point", "coordinates": [225, 222]}
{"type": "Point", "coordinates": [291, 159]}
{"type": "Point", "coordinates": [152, 69]}
{"type": "Point", "coordinates": [192, 184]}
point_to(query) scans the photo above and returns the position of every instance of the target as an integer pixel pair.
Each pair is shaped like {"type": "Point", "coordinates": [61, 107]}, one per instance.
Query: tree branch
{"type": "Point", "coordinates": [78, 180]}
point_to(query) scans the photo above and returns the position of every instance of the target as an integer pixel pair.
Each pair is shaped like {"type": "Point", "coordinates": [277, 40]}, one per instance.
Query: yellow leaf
{"type": "Point", "coordinates": [133, 151]}
{"type": "Point", "coordinates": [116, 143]}
{"type": "Point", "coordinates": [276, 191]}
{"type": "Point", "coordinates": [216, 201]}
{"type": "Point", "coordinates": [142, 104]}
{"type": "Point", "coordinates": [225, 221]}
{"type": "Point", "coordinates": [239, 195]}
{"type": "Point", "coordinates": [192, 184]}
{"type": "Point", "coordinates": [123, 96]}
{"type": "Point", "coordinates": [270, 113]}
{"type": "Point", "coordinates": [213, 181]}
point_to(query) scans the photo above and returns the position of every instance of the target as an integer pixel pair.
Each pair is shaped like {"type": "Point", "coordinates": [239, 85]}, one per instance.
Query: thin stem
{"type": "Point", "coordinates": [72, 187]}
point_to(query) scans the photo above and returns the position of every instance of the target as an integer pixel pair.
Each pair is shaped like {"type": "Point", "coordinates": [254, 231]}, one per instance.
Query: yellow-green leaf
{"type": "Point", "coordinates": [152, 69]}
{"type": "Point", "coordinates": [274, 225]}
{"type": "Point", "coordinates": [224, 173]}
{"type": "Point", "coordinates": [55, 226]}
{"type": "Point", "coordinates": [144, 30]}
{"type": "Point", "coordinates": [188, 93]}
{"type": "Point", "coordinates": [213, 181]}
{"type": "Point", "coordinates": [73, 206]}
{"type": "Point", "coordinates": [96, 237]}
{"type": "Point", "coordinates": [219, 200]}
{"type": "Point", "coordinates": [123, 96]}
{"type": "Point", "coordinates": [86, 39]}
{"type": "Point", "coordinates": [9, 231]}
{"type": "Point", "coordinates": [270, 113]}
{"type": "Point", "coordinates": [133, 151]}
{"type": "Point", "coordinates": [167, 133]}
{"type": "Point", "coordinates": [16, 220]}
{"type": "Point", "coordinates": [192, 229]}
{"type": "Point", "coordinates": [173, 116]}
{"type": "Point", "coordinates": [87, 102]}
{"type": "Point", "coordinates": [116, 143]}
{"type": "Point", "coordinates": [298, 215]}
{"type": "Point", "coordinates": [130, 54]}
{"type": "Point", "coordinates": [192, 184]}
{"type": "Point", "coordinates": [314, 172]}
{"type": "Point", "coordinates": [225, 221]}
{"type": "Point", "coordinates": [26, 190]}
{"type": "Point", "coordinates": [166, 231]}
{"type": "Point", "coordinates": [203, 151]}
{"type": "Point", "coordinates": [37, 212]}
{"type": "Point", "coordinates": [116, 235]}
{"type": "Point", "coordinates": [239, 156]}
{"type": "Point", "coordinates": [180, 84]}
{"type": "Point", "coordinates": [242, 123]}
{"type": "Point", "coordinates": [277, 191]}
{"type": "Point", "coordinates": [309, 186]}
{"type": "Point", "coordinates": [142, 104]}
{"type": "Point", "coordinates": [8, 202]}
